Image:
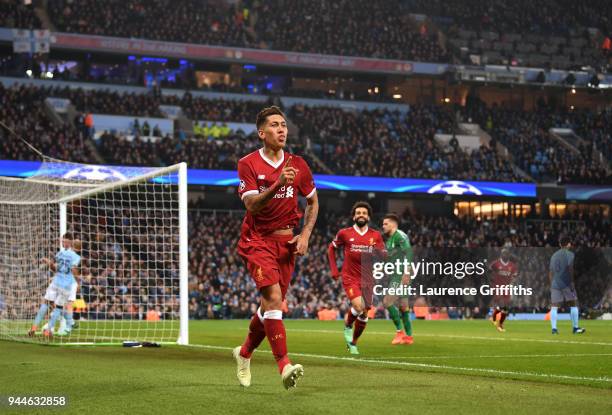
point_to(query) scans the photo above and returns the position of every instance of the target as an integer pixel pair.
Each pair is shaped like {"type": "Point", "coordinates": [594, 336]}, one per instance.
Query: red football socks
{"type": "Point", "coordinates": [360, 326]}
{"type": "Point", "coordinates": [275, 332]}
{"type": "Point", "coordinates": [351, 316]}
{"type": "Point", "coordinates": [495, 313]}
{"type": "Point", "coordinates": [256, 335]}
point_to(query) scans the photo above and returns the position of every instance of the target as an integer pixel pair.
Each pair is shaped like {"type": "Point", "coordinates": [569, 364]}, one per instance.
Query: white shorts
{"type": "Point", "coordinates": [73, 291]}
{"type": "Point", "coordinates": [58, 295]}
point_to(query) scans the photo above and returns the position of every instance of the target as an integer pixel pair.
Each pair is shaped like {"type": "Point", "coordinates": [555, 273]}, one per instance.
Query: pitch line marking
{"type": "Point", "coordinates": [497, 356]}
{"type": "Point", "coordinates": [424, 365]}
{"type": "Point", "coordinates": [452, 336]}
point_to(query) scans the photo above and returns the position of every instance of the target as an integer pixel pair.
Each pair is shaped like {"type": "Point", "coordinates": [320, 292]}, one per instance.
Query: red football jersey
{"type": "Point", "coordinates": [358, 250]}
{"type": "Point", "coordinates": [503, 272]}
{"type": "Point", "coordinates": [256, 173]}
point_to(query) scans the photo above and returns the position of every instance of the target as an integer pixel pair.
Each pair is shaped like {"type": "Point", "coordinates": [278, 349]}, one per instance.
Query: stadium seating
{"type": "Point", "coordinates": [189, 21]}
{"type": "Point", "coordinates": [13, 13]}
{"type": "Point", "coordinates": [562, 34]}
{"type": "Point", "coordinates": [527, 136]}
{"type": "Point", "coordinates": [352, 28]}
{"type": "Point", "coordinates": [553, 33]}
{"type": "Point", "coordinates": [221, 288]}
{"type": "Point", "coordinates": [23, 111]}
{"type": "Point", "coordinates": [383, 143]}
{"type": "Point", "coordinates": [365, 143]}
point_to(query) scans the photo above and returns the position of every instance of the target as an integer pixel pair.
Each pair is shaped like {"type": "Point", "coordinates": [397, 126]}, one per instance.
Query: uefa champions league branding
{"type": "Point", "coordinates": [90, 172]}
{"type": "Point", "coordinates": [95, 173]}
{"type": "Point", "coordinates": [454, 187]}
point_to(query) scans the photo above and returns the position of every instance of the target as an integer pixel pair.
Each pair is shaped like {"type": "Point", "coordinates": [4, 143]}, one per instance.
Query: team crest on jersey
{"type": "Point", "coordinates": [242, 185]}
{"type": "Point", "coordinates": [352, 239]}
{"type": "Point", "coordinates": [371, 241]}
{"type": "Point", "coordinates": [261, 176]}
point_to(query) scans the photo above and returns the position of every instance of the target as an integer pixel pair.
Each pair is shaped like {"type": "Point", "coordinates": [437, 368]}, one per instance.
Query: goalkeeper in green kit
{"type": "Point", "coordinates": [398, 247]}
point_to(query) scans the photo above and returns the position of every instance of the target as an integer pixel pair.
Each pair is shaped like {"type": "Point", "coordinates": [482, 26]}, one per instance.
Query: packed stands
{"type": "Point", "coordinates": [22, 110]}
{"type": "Point", "coordinates": [15, 14]}
{"type": "Point", "coordinates": [384, 143]}
{"type": "Point", "coordinates": [221, 287]}
{"type": "Point", "coordinates": [536, 151]}
{"type": "Point", "coordinates": [351, 28]}
{"type": "Point", "coordinates": [188, 21]}
{"type": "Point", "coordinates": [553, 33]}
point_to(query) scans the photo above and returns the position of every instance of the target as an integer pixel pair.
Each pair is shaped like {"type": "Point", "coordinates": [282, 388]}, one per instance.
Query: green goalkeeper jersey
{"type": "Point", "coordinates": [398, 247]}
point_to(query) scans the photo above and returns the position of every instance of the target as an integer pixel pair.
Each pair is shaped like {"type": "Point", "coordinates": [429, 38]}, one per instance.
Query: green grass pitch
{"type": "Point", "coordinates": [453, 366]}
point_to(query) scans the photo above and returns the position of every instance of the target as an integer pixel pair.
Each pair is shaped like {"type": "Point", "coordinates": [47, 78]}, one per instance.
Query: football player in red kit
{"type": "Point", "coordinates": [362, 246]}
{"type": "Point", "coordinates": [503, 270]}
{"type": "Point", "coordinates": [270, 182]}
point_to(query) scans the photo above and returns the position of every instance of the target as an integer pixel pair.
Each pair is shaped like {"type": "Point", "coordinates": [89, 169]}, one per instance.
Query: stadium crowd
{"type": "Point", "coordinates": [543, 17]}
{"type": "Point", "coordinates": [127, 270]}
{"type": "Point", "coordinates": [397, 29]}
{"type": "Point", "coordinates": [526, 135]}
{"type": "Point", "coordinates": [560, 33]}
{"type": "Point", "coordinates": [22, 110]}
{"type": "Point", "coordinates": [221, 287]}
{"type": "Point", "coordinates": [363, 143]}
{"type": "Point", "coordinates": [373, 29]}
{"type": "Point", "coordinates": [16, 14]}
{"type": "Point", "coordinates": [385, 143]}
{"type": "Point", "coordinates": [189, 21]}
{"type": "Point", "coordinates": [350, 28]}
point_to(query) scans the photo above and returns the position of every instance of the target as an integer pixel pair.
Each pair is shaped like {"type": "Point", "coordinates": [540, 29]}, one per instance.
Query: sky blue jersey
{"type": "Point", "coordinates": [560, 265]}
{"type": "Point", "coordinates": [65, 260]}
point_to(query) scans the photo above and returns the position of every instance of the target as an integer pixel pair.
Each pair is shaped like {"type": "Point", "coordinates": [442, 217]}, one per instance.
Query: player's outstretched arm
{"type": "Point", "coordinates": [331, 255]}
{"type": "Point", "coordinates": [50, 263]}
{"type": "Point", "coordinates": [310, 218]}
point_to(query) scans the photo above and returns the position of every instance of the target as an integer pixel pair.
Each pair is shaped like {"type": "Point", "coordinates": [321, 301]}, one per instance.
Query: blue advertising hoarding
{"type": "Point", "coordinates": [323, 181]}
{"type": "Point", "coordinates": [584, 192]}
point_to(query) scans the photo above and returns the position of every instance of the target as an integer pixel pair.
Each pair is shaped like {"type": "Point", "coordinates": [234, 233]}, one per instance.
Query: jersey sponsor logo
{"type": "Point", "coordinates": [261, 176]}
{"type": "Point", "coordinates": [360, 248]}
{"type": "Point", "coordinates": [284, 192]}
{"type": "Point", "coordinates": [352, 239]}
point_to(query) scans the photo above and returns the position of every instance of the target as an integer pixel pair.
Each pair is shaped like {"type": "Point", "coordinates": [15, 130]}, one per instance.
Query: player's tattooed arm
{"type": "Point", "coordinates": [310, 218]}
{"type": "Point", "coordinates": [255, 203]}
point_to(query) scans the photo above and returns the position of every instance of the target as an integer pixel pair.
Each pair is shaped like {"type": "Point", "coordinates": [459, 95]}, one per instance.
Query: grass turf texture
{"type": "Point", "coordinates": [458, 366]}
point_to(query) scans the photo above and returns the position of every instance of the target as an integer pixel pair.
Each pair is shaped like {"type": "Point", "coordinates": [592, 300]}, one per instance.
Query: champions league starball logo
{"type": "Point", "coordinates": [454, 187]}
{"type": "Point", "coordinates": [95, 173]}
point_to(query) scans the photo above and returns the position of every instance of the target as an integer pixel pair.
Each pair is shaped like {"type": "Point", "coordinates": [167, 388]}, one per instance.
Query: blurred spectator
{"type": "Point", "coordinates": [16, 14]}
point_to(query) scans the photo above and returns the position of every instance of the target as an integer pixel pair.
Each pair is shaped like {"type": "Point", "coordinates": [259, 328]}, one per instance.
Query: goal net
{"type": "Point", "coordinates": [130, 227]}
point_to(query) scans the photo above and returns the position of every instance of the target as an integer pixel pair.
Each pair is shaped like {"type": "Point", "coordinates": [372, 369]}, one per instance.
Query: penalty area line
{"type": "Point", "coordinates": [424, 365]}
{"type": "Point", "coordinates": [455, 336]}
{"type": "Point", "coordinates": [497, 356]}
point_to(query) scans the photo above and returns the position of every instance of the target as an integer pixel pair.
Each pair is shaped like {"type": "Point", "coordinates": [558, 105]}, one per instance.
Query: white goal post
{"type": "Point", "coordinates": [131, 231]}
